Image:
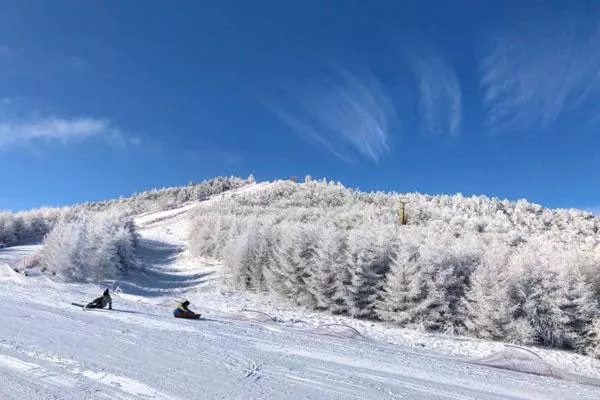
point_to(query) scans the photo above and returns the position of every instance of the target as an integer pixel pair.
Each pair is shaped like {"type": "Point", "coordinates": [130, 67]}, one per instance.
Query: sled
{"type": "Point", "coordinates": [187, 316]}
{"type": "Point", "coordinates": [195, 316]}
{"type": "Point", "coordinates": [88, 308]}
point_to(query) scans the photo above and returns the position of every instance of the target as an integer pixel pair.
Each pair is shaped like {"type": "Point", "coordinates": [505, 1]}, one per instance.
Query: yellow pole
{"type": "Point", "coordinates": [402, 215]}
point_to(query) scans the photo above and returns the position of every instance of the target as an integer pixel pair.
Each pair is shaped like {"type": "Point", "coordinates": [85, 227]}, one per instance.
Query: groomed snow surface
{"type": "Point", "coordinates": [246, 347]}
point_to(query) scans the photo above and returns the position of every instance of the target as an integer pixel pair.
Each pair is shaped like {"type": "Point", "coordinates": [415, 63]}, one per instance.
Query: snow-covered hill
{"type": "Point", "coordinates": [245, 348]}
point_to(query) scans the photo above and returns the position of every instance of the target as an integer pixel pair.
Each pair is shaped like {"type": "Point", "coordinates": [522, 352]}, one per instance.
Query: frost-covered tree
{"type": "Point", "coordinates": [330, 282]}
{"type": "Point", "coordinates": [406, 287]}
{"type": "Point", "coordinates": [553, 298]}
{"type": "Point", "coordinates": [244, 257]}
{"type": "Point", "coordinates": [295, 262]}
{"type": "Point", "coordinates": [578, 310]}
{"type": "Point", "coordinates": [62, 254]}
{"type": "Point", "coordinates": [204, 236]}
{"type": "Point", "coordinates": [449, 270]}
{"type": "Point", "coordinates": [489, 309]}
{"type": "Point", "coordinates": [486, 267]}
{"type": "Point", "coordinates": [537, 295]}
{"type": "Point", "coordinates": [238, 259]}
{"type": "Point", "coordinates": [370, 259]}
{"type": "Point", "coordinates": [592, 339]}
{"type": "Point", "coordinates": [90, 247]}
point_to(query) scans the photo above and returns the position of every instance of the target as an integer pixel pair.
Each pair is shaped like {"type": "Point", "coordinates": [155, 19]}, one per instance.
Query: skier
{"type": "Point", "coordinates": [102, 301]}
{"type": "Point", "coordinates": [184, 312]}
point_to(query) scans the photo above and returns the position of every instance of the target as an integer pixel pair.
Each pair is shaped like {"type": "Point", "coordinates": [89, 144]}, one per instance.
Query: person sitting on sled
{"type": "Point", "coordinates": [101, 301]}
{"type": "Point", "coordinates": [184, 312]}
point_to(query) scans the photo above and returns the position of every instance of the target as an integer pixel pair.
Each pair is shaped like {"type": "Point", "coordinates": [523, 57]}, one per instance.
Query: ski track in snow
{"type": "Point", "coordinates": [52, 350]}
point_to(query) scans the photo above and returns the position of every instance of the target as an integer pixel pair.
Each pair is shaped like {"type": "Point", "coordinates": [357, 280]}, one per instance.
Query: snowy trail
{"type": "Point", "coordinates": [49, 349]}
{"type": "Point", "coordinates": [52, 350]}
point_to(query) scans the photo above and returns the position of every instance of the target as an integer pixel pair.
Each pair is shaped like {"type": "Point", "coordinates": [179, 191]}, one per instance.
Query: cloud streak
{"type": "Point", "coordinates": [346, 114]}
{"type": "Point", "coordinates": [23, 133]}
{"type": "Point", "coordinates": [536, 73]}
{"type": "Point", "coordinates": [440, 95]}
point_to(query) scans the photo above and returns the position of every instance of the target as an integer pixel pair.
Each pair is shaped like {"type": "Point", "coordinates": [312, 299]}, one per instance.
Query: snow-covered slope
{"type": "Point", "coordinates": [15, 256]}
{"type": "Point", "coordinates": [51, 350]}
{"type": "Point", "coordinates": [245, 348]}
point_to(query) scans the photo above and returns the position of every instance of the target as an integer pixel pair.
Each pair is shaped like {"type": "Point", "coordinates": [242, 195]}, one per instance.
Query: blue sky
{"type": "Point", "coordinates": [102, 99]}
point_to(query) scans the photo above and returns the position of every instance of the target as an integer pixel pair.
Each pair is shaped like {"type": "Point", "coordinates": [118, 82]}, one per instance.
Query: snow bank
{"type": "Point", "coordinates": [519, 359]}
{"type": "Point", "coordinates": [9, 274]}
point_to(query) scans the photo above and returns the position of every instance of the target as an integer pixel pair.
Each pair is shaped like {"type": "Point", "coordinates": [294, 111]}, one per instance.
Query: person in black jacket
{"type": "Point", "coordinates": [184, 312]}
{"type": "Point", "coordinates": [101, 301]}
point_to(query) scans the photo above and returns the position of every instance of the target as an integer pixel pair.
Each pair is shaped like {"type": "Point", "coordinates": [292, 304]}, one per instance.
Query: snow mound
{"type": "Point", "coordinates": [337, 330]}
{"type": "Point", "coordinates": [518, 359]}
{"type": "Point", "coordinates": [9, 274]}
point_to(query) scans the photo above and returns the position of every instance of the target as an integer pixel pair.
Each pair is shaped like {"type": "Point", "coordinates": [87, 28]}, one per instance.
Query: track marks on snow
{"type": "Point", "coordinates": [74, 378]}
{"type": "Point", "coordinates": [123, 384]}
{"type": "Point", "coordinates": [36, 371]}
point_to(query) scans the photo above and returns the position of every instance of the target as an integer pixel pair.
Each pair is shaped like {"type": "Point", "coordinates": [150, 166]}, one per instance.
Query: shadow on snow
{"type": "Point", "coordinates": [154, 275]}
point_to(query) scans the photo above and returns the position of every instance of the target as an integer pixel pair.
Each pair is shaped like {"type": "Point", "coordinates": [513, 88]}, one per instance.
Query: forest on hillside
{"type": "Point", "coordinates": [16, 227]}
{"type": "Point", "coordinates": [96, 240]}
{"type": "Point", "coordinates": [488, 268]}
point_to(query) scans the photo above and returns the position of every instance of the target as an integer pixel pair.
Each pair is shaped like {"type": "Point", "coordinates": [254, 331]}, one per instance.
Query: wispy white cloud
{"type": "Point", "coordinates": [440, 95]}
{"type": "Point", "coordinates": [23, 133]}
{"type": "Point", "coordinates": [347, 114]}
{"type": "Point", "coordinates": [537, 72]}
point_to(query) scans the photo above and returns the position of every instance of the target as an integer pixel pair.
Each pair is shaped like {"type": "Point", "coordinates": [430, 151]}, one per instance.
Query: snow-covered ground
{"type": "Point", "coordinates": [15, 256]}
{"type": "Point", "coordinates": [247, 347]}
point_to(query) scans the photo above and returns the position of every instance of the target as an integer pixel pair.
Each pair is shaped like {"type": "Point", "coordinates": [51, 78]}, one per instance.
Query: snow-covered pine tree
{"type": "Point", "coordinates": [295, 259]}
{"type": "Point", "coordinates": [340, 300]}
{"type": "Point", "coordinates": [488, 306]}
{"type": "Point", "coordinates": [405, 290]}
{"type": "Point", "coordinates": [449, 271]}
{"type": "Point", "coordinates": [236, 258]}
{"type": "Point", "coordinates": [579, 310]}
{"type": "Point", "coordinates": [331, 282]}
{"type": "Point", "coordinates": [592, 339]}
{"type": "Point", "coordinates": [266, 244]}
{"type": "Point", "coordinates": [243, 256]}
{"type": "Point", "coordinates": [308, 261]}
{"type": "Point", "coordinates": [537, 295]}
{"type": "Point", "coordinates": [275, 271]}
{"type": "Point", "coordinates": [370, 259]}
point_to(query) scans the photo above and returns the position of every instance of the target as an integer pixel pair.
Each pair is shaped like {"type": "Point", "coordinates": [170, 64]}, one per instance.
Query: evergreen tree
{"type": "Point", "coordinates": [578, 308]}
{"type": "Point", "coordinates": [487, 302]}
{"type": "Point", "coordinates": [332, 280]}
{"type": "Point", "coordinates": [406, 288]}
{"type": "Point", "coordinates": [449, 275]}
{"type": "Point", "coordinates": [538, 294]}
{"type": "Point", "coordinates": [370, 260]}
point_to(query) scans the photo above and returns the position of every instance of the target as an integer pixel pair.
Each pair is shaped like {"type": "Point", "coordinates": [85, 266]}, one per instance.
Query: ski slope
{"type": "Point", "coordinates": [52, 350]}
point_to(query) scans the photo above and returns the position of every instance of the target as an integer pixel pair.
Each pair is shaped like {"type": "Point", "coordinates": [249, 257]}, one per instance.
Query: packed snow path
{"type": "Point", "coordinates": [52, 350]}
